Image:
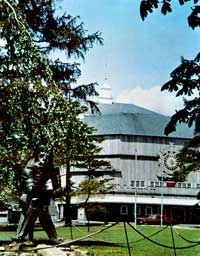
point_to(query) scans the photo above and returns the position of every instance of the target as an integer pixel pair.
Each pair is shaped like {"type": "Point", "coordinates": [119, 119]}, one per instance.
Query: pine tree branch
{"type": "Point", "coordinates": [14, 12]}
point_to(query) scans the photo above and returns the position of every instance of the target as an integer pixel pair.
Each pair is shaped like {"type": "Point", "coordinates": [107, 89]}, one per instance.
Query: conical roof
{"type": "Point", "coordinates": [129, 119]}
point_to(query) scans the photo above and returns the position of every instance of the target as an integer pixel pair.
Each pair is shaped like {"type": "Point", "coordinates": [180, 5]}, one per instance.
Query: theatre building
{"type": "Point", "coordinates": [143, 159]}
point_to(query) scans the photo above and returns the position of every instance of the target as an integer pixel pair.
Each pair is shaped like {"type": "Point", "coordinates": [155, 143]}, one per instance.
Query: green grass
{"type": "Point", "coordinates": [112, 242]}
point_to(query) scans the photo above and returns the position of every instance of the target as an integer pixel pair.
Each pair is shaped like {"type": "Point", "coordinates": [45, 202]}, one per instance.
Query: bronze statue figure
{"type": "Point", "coordinates": [36, 197]}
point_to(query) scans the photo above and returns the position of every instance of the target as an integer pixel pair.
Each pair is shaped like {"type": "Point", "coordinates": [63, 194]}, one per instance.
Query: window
{"type": "Point", "coordinates": [151, 184]}
{"type": "Point", "coordinates": [148, 210]}
{"type": "Point", "coordinates": [139, 183]}
{"type": "Point", "coordinates": [154, 184]}
{"type": "Point", "coordinates": [142, 184]}
{"type": "Point", "coordinates": [197, 185]}
{"type": "Point", "coordinates": [179, 184]}
{"type": "Point", "coordinates": [138, 210]}
{"type": "Point", "coordinates": [132, 183]}
{"type": "Point", "coordinates": [3, 215]}
{"type": "Point", "coordinates": [124, 210]}
{"type": "Point", "coordinates": [185, 185]}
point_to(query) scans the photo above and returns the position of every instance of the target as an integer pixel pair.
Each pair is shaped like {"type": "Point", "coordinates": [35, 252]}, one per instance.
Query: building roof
{"type": "Point", "coordinates": [130, 199]}
{"type": "Point", "coordinates": [129, 119]}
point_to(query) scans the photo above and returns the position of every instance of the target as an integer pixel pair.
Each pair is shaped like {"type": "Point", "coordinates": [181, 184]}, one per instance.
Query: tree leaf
{"type": "Point", "coordinates": [194, 19]}
{"type": "Point", "coordinates": [166, 7]}
{"type": "Point", "coordinates": [181, 2]}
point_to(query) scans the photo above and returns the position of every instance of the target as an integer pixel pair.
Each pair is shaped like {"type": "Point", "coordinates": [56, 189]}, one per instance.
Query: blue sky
{"type": "Point", "coordinates": [137, 57]}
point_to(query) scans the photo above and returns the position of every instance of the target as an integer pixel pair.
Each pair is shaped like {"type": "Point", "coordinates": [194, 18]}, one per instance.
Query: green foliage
{"type": "Point", "coordinates": [185, 81]}
{"type": "Point", "coordinates": [188, 159]}
{"type": "Point", "coordinates": [93, 186]}
{"type": "Point", "coordinates": [40, 103]}
{"type": "Point", "coordinates": [148, 6]}
{"type": "Point", "coordinates": [90, 187]}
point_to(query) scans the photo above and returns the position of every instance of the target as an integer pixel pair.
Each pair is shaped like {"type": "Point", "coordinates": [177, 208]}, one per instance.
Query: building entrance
{"type": "Point", "coordinates": [179, 214]}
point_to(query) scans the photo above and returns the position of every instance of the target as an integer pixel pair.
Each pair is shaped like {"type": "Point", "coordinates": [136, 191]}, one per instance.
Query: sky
{"type": "Point", "coordinates": [137, 56]}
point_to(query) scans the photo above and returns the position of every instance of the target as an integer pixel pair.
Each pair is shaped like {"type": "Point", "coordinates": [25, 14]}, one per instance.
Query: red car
{"type": "Point", "coordinates": [156, 219]}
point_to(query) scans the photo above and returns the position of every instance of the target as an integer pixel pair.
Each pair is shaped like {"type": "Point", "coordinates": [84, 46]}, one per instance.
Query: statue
{"type": "Point", "coordinates": [36, 197]}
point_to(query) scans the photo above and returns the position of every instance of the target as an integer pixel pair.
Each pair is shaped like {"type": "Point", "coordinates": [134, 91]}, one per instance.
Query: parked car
{"type": "Point", "coordinates": [156, 219]}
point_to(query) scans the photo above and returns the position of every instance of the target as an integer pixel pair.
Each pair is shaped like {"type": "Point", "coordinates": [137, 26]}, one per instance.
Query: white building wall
{"type": "Point", "coordinates": [121, 151]}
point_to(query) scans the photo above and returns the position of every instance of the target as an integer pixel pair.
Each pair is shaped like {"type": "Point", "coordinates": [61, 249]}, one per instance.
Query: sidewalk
{"type": "Point", "coordinates": [188, 226]}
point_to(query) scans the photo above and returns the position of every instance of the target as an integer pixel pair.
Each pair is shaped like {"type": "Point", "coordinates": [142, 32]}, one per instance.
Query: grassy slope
{"type": "Point", "coordinates": [99, 244]}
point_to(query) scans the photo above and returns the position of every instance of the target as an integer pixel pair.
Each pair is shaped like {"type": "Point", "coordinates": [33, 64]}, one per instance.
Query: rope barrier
{"type": "Point", "coordinates": [129, 250]}
{"type": "Point", "coordinates": [97, 239]}
{"type": "Point", "coordinates": [160, 244]}
{"type": "Point", "coordinates": [173, 240]}
{"type": "Point", "coordinates": [122, 243]}
{"type": "Point", "coordinates": [144, 237]}
{"type": "Point", "coordinates": [187, 240]}
{"type": "Point", "coordinates": [87, 236]}
{"type": "Point", "coordinates": [151, 235]}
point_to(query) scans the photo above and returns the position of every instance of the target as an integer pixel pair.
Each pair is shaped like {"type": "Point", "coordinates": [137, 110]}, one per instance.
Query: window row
{"type": "Point", "coordinates": [154, 184]}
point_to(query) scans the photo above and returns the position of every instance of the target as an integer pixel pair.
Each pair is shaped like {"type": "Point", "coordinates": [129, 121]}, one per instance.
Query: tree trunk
{"type": "Point", "coordinates": [67, 210]}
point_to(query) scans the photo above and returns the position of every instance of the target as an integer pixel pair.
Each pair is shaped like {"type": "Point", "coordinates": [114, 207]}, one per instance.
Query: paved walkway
{"type": "Point", "coordinates": [188, 226]}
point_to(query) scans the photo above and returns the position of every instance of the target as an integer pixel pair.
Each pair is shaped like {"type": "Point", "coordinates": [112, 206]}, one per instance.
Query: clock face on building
{"type": "Point", "coordinates": [168, 163]}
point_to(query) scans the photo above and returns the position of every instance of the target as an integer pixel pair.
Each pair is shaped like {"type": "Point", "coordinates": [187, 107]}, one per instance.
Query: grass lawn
{"type": "Point", "coordinates": [112, 241]}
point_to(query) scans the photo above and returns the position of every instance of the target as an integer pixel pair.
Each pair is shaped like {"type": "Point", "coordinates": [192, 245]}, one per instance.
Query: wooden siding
{"type": "Point", "coordinates": [146, 146]}
{"type": "Point", "coordinates": [122, 151]}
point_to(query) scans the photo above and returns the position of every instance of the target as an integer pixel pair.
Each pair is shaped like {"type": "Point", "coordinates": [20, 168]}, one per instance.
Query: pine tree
{"type": "Point", "coordinates": [40, 103]}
